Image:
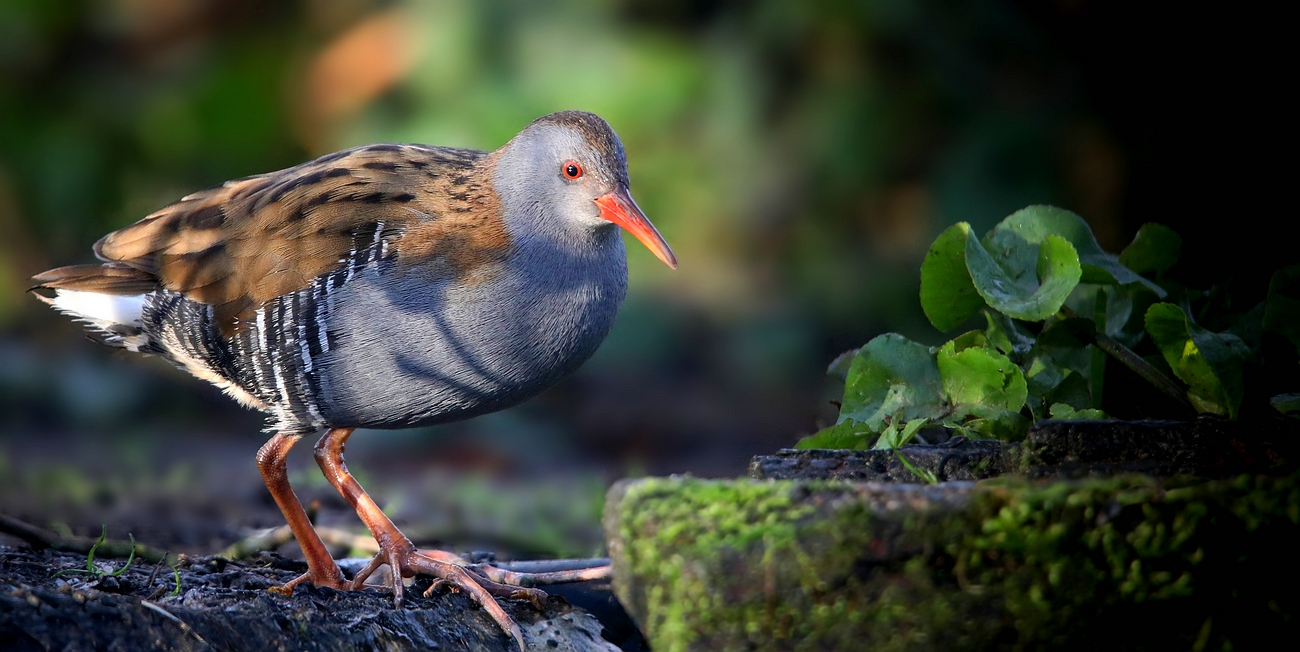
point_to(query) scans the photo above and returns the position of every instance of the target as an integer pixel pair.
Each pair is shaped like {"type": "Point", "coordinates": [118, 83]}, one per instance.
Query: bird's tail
{"type": "Point", "coordinates": [107, 299]}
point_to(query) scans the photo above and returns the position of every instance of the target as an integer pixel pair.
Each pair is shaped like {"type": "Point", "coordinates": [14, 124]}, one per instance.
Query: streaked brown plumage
{"type": "Point", "coordinates": [247, 241]}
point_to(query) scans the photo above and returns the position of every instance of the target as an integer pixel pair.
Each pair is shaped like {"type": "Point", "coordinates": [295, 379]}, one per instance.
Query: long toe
{"type": "Point", "coordinates": [334, 582]}
{"type": "Point", "coordinates": [481, 589]}
{"type": "Point", "coordinates": [536, 574]}
{"type": "Point", "coordinates": [447, 574]}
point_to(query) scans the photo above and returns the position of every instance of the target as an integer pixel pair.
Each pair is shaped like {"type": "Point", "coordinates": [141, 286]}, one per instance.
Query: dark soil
{"type": "Point", "coordinates": [222, 605]}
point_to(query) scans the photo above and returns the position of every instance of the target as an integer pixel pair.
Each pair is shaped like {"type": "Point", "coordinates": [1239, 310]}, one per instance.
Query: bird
{"type": "Point", "coordinates": [384, 286]}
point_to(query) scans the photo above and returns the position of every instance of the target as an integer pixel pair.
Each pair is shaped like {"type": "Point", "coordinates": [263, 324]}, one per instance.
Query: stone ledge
{"type": "Point", "coordinates": [1125, 563]}
{"type": "Point", "coordinates": [1206, 447]}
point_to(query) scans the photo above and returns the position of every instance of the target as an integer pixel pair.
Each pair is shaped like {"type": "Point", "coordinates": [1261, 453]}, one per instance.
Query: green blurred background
{"type": "Point", "coordinates": [798, 156]}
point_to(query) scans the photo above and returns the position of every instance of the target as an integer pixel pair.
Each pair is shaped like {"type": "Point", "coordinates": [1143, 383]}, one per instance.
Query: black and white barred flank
{"type": "Point", "coordinates": [269, 363]}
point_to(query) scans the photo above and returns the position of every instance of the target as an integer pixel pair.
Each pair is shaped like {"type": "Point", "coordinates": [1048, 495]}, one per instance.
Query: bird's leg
{"type": "Point", "coordinates": [399, 553]}
{"type": "Point", "coordinates": [321, 569]}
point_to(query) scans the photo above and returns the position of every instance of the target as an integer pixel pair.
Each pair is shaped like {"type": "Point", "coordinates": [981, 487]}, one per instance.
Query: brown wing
{"type": "Point", "coordinates": [250, 240]}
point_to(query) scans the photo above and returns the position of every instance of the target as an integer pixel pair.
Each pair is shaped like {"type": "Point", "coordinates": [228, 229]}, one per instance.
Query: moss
{"type": "Point", "coordinates": [730, 565]}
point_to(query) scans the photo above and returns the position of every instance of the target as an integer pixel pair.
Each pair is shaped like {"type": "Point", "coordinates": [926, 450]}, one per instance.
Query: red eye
{"type": "Point", "coordinates": [572, 170]}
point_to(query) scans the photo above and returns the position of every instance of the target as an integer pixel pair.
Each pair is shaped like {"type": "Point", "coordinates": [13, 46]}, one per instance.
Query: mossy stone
{"type": "Point", "coordinates": [1127, 562]}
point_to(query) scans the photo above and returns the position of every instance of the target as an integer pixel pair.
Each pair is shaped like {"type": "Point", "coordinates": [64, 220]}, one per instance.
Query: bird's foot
{"type": "Point", "coordinates": [332, 580]}
{"type": "Point", "coordinates": [404, 560]}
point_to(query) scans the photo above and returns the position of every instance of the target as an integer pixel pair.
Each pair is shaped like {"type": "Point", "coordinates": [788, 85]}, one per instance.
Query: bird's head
{"type": "Point", "coordinates": [573, 163]}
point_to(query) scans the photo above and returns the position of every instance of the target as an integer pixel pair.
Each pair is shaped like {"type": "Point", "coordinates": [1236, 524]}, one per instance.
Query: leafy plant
{"type": "Point", "coordinates": [1056, 309]}
{"type": "Point", "coordinates": [95, 571]}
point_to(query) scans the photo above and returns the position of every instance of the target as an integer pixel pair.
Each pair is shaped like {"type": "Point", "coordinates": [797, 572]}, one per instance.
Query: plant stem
{"type": "Point", "coordinates": [1135, 362]}
{"type": "Point", "coordinates": [1143, 368]}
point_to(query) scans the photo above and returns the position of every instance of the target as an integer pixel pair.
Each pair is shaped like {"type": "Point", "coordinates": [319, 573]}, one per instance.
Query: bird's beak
{"type": "Point", "coordinates": [618, 207]}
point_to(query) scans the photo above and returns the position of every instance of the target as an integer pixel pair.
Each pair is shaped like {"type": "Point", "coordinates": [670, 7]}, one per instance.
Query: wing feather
{"type": "Point", "coordinates": [241, 244]}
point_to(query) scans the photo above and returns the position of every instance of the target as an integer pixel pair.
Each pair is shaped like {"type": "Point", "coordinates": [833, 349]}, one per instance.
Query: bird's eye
{"type": "Point", "coordinates": [572, 170]}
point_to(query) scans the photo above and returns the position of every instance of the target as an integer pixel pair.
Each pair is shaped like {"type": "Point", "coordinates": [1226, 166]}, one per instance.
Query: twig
{"type": "Point", "coordinates": [268, 539]}
{"type": "Point", "coordinates": [272, 538]}
{"type": "Point", "coordinates": [168, 615]}
{"type": "Point", "coordinates": [152, 575]}
{"type": "Point", "coordinates": [41, 538]}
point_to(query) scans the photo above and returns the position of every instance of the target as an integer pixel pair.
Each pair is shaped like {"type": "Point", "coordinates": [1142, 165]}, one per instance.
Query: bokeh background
{"type": "Point", "coordinates": [799, 156]}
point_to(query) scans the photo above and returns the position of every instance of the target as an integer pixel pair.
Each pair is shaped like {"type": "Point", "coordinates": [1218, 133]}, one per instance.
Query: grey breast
{"type": "Point", "coordinates": [408, 350]}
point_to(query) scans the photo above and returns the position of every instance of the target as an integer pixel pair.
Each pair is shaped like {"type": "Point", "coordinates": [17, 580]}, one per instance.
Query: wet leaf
{"type": "Point", "coordinates": [1006, 335]}
{"type": "Point", "coordinates": [1035, 223]}
{"type": "Point", "coordinates": [1155, 248]}
{"type": "Point", "coordinates": [1210, 363]}
{"type": "Point", "coordinates": [892, 376]}
{"type": "Point", "coordinates": [1020, 289]}
{"type": "Point", "coordinates": [948, 296]}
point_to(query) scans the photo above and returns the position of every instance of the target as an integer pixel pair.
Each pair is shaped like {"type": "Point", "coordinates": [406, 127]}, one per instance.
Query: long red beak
{"type": "Point", "coordinates": [619, 208]}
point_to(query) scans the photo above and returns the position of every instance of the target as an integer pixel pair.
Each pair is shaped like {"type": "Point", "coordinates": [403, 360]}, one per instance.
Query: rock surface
{"type": "Point", "coordinates": [964, 460]}
{"type": "Point", "coordinates": [225, 606]}
{"type": "Point", "coordinates": [1207, 447]}
{"type": "Point", "coordinates": [1122, 563]}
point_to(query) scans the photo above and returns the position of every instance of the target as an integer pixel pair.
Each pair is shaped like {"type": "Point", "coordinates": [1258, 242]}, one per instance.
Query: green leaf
{"type": "Point", "coordinates": [1007, 336]}
{"type": "Point", "coordinates": [893, 438]}
{"type": "Point", "coordinates": [970, 339]}
{"type": "Point", "coordinates": [1041, 377]}
{"type": "Point", "coordinates": [1155, 248]}
{"type": "Point", "coordinates": [1012, 286]}
{"type": "Point", "coordinates": [1035, 223]}
{"type": "Point", "coordinates": [892, 376]}
{"type": "Point", "coordinates": [948, 296]}
{"type": "Point", "coordinates": [1249, 326]}
{"type": "Point", "coordinates": [924, 474]}
{"type": "Point", "coordinates": [849, 435]}
{"type": "Point", "coordinates": [839, 367]}
{"type": "Point", "coordinates": [1210, 363]}
{"type": "Point", "coordinates": [1064, 411]}
{"type": "Point", "coordinates": [1286, 403]}
{"type": "Point", "coordinates": [997, 424]}
{"type": "Point", "coordinates": [979, 376]}
{"type": "Point", "coordinates": [1074, 390]}
{"type": "Point", "coordinates": [1282, 308]}
{"type": "Point", "coordinates": [1126, 309]}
